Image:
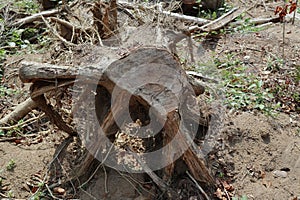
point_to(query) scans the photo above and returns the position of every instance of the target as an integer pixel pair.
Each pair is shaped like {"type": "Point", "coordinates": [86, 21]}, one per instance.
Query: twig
{"type": "Point", "coordinates": [294, 16]}
{"type": "Point", "coordinates": [200, 76]}
{"type": "Point", "coordinates": [105, 180]}
{"type": "Point", "coordinates": [63, 22]}
{"type": "Point", "coordinates": [217, 24]}
{"type": "Point", "coordinates": [197, 20]}
{"type": "Point", "coordinates": [39, 16]}
{"type": "Point", "coordinates": [3, 195]}
{"type": "Point", "coordinates": [283, 40]}
{"type": "Point", "coordinates": [227, 194]}
{"type": "Point", "coordinates": [91, 196]}
{"type": "Point", "coordinates": [62, 147]}
{"type": "Point", "coordinates": [34, 17]}
{"type": "Point", "coordinates": [56, 34]}
{"type": "Point", "coordinates": [93, 174]}
{"type": "Point", "coordinates": [264, 4]}
{"type": "Point", "coordinates": [198, 186]}
{"type": "Point", "coordinates": [158, 181]}
{"type": "Point", "coordinates": [9, 139]}
{"type": "Point", "coordinates": [21, 124]}
{"type": "Point", "coordinates": [256, 21]}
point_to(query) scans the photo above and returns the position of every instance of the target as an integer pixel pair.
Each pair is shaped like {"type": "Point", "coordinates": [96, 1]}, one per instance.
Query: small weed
{"type": "Point", "coordinates": [244, 197]}
{"type": "Point", "coordinates": [208, 14]}
{"type": "Point", "coordinates": [10, 194]}
{"type": "Point", "coordinates": [11, 165]}
{"type": "Point", "coordinates": [37, 196]}
{"type": "Point", "coordinates": [221, 175]}
{"type": "Point", "coordinates": [298, 132]}
{"type": "Point", "coordinates": [27, 6]}
{"type": "Point", "coordinates": [297, 74]}
{"type": "Point", "coordinates": [243, 89]}
{"type": "Point", "coordinates": [4, 91]}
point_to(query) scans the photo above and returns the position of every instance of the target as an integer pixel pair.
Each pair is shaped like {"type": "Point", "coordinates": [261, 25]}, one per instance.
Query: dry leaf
{"type": "Point", "coordinates": [59, 190]}
{"type": "Point", "coordinates": [219, 193]}
{"type": "Point", "coordinates": [267, 184]}
{"type": "Point", "coordinates": [227, 186]}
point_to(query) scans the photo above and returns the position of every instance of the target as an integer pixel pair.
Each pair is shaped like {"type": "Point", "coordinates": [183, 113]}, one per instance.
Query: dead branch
{"type": "Point", "coordinates": [64, 23]}
{"type": "Point", "coordinates": [19, 124]}
{"type": "Point", "coordinates": [50, 112]}
{"type": "Point", "coordinates": [35, 17]}
{"type": "Point", "coordinates": [199, 21]}
{"type": "Point", "coordinates": [223, 20]}
{"type": "Point", "coordinates": [56, 34]}
{"type": "Point", "coordinates": [38, 16]}
{"type": "Point", "coordinates": [19, 112]}
{"type": "Point", "coordinates": [33, 71]}
{"type": "Point", "coordinates": [257, 21]}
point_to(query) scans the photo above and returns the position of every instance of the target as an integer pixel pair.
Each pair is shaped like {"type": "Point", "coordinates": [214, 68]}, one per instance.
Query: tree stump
{"type": "Point", "coordinates": [146, 87]}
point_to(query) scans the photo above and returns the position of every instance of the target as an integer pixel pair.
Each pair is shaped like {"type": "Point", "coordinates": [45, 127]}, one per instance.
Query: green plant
{"type": "Point", "coordinates": [243, 89]}
{"type": "Point", "coordinates": [4, 91]}
{"type": "Point", "coordinates": [244, 197]}
{"type": "Point", "coordinates": [297, 74]}
{"type": "Point", "coordinates": [11, 165]}
{"type": "Point", "coordinates": [28, 6]}
{"type": "Point", "coordinates": [37, 196]}
{"type": "Point", "coordinates": [10, 194]}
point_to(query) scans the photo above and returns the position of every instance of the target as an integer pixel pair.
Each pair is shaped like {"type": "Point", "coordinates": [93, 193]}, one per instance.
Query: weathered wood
{"type": "Point", "coordinates": [19, 112]}
{"type": "Point", "coordinates": [160, 80]}
{"type": "Point", "coordinates": [50, 112]}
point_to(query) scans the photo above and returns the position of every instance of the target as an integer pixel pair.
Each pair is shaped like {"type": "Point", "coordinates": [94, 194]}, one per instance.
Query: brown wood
{"type": "Point", "coordinates": [152, 61]}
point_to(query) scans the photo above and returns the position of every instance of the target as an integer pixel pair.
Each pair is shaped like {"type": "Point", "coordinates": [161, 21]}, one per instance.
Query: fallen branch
{"type": "Point", "coordinates": [223, 20]}
{"type": "Point", "coordinates": [64, 23]}
{"type": "Point", "coordinates": [10, 139]}
{"type": "Point", "coordinates": [38, 16]}
{"type": "Point", "coordinates": [51, 113]}
{"type": "Point", "coordinates": [56, 34]}
{"type": "Point", "coordinates": [256, 21]}
{"type": "Point", "coordinates": [19, 112]}
{"type": "Point", "coordinates": [199, 21]}
{"type": "Point", "coordinates": [20, 124]}
{"type": "Point", "coordinates": [35, 17]}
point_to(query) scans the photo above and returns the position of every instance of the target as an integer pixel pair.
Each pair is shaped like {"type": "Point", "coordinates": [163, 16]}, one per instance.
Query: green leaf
{"type": "Point", "coordinates": [260, 106]}
{"type": "Point", "coordinates": [244, 197]}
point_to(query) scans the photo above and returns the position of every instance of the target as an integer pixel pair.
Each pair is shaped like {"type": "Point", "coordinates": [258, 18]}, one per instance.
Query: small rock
{"type": "Point", "coordinates": [278, 173]}
{"type": "Point", "coordinates": [246, 58]}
